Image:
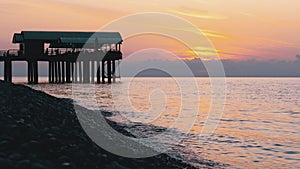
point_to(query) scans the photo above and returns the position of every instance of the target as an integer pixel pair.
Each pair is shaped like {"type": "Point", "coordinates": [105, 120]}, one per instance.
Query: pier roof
{"type": "Point", "coordinates": [18, 38]}
{"type": "Point", "coordinates": [68, 37]}
{"type": "Point", "coordinates": [103, 40]}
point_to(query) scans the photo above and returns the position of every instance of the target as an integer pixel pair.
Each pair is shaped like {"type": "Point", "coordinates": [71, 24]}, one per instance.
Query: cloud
{"type": "Point", "coordinates": [214, 34]}
{"type": "Point", "coordinates": [298, 56]}
{"type": "Point", "coordinates": [275, 42]}
{"type": "Point", "coordinates": [208, 33]}
{"type": "Point", "coordinates": [205, 53]}
{"type": "Point", "coordinates": [269, 19]}
{"type": "Point", "coordinates": [233, 68]}
{"type": "Point", "coordinates": [197, 14]}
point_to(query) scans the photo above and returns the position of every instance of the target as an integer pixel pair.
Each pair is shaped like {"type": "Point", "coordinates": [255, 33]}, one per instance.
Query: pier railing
{"type": "Point", "coordinates": [10, 52]}
{"type": "Point", "coordinates": [3, 53]}
{"type": "Point", "coordinates": [13, 52]}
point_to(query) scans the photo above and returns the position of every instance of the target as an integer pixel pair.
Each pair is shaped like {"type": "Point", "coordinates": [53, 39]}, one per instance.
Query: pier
{"type": "Point", "coordinates": [73, 57]}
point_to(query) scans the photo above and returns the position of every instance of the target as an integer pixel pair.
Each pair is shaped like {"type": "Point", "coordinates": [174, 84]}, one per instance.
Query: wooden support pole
{"type": "Point", "coordinates": [59, 72]}
{"type": "Point", "coordinates": [75, 79]}
{"type": "Point", "coordinates": [52, 72]}
{"type": "Point", "coordinates": [92, 71]}
{"type": "Point", "coordinates": [5, 70]}
{"type": "Point", "coordinates": [114, 70]}
{"type": "Point", "coordinates": [109, 71]}
{"type": "Point", "coordinates": [98, 72]}
{"type": "Point", "coordinates": [28, 71]}
{"type": "Point", "coordinates": [35, 72]}
{"type": "Point", "coordinates": [72, 71]}
{"type": "Point", "coordinates": [9, 71]}
{"type": "Point", "coordinates": [68, 72]}
{"type": "Point", "coordinates": [103, 71]}
{"type": "Point", "coordinates": [49, 72]}
{"type": "Point", "coordinates": [63, 72]}
{"type": "Point", "coordinates": [31, 72]}
{"type": "Point", "coordinates": [56, 72]}
{"type": "Point", "coordinates": [86, 71]}
{"type": "Point", "coordinates": [80, 71]}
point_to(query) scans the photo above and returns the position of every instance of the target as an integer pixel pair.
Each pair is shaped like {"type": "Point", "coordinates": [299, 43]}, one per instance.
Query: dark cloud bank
{"type": "Point", "coordinates": [247, 68]}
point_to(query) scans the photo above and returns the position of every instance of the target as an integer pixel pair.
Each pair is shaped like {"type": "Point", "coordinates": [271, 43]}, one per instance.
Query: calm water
{"type": "Point", "coordinates": [259, 127]}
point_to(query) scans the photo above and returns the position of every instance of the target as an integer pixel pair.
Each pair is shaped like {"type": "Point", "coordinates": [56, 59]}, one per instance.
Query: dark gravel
{"type": "Point", "coordinates": [39, 131]}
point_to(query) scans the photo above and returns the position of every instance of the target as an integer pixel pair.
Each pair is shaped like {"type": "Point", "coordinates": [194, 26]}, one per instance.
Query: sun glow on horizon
{"type": "Point", "coordinates": [239, 30]}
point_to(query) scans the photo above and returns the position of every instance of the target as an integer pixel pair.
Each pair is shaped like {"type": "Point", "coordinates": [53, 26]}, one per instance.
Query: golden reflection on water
{"type": "Point", "coordinates": [142, 97]}
{"type": "Point", "coordinates": [259, 127]}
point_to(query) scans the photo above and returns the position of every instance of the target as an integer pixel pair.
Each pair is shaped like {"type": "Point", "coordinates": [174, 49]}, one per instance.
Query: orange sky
{"type": "Point", "coordinates": [239, 29]}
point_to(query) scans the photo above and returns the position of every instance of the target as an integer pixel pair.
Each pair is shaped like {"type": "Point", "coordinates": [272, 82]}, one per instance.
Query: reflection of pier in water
{"type": "Point", "coordinates": [71, 56]}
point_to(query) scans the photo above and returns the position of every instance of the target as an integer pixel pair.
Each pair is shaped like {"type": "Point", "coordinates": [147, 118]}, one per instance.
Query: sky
{"type": "Point", "coordinates": [239, 29]}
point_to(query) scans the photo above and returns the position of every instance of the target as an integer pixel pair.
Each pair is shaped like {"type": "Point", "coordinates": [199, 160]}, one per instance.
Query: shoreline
{"type": "Point", "coordinates": [42, 131]}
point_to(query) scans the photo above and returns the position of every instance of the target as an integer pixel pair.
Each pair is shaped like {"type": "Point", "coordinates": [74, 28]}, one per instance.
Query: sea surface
{"type": "Point", "coordinates": [259, 127]}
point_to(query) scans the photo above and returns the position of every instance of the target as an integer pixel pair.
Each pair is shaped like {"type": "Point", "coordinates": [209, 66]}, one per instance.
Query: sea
{"type": "Point", "coordinates": [256, 125]}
